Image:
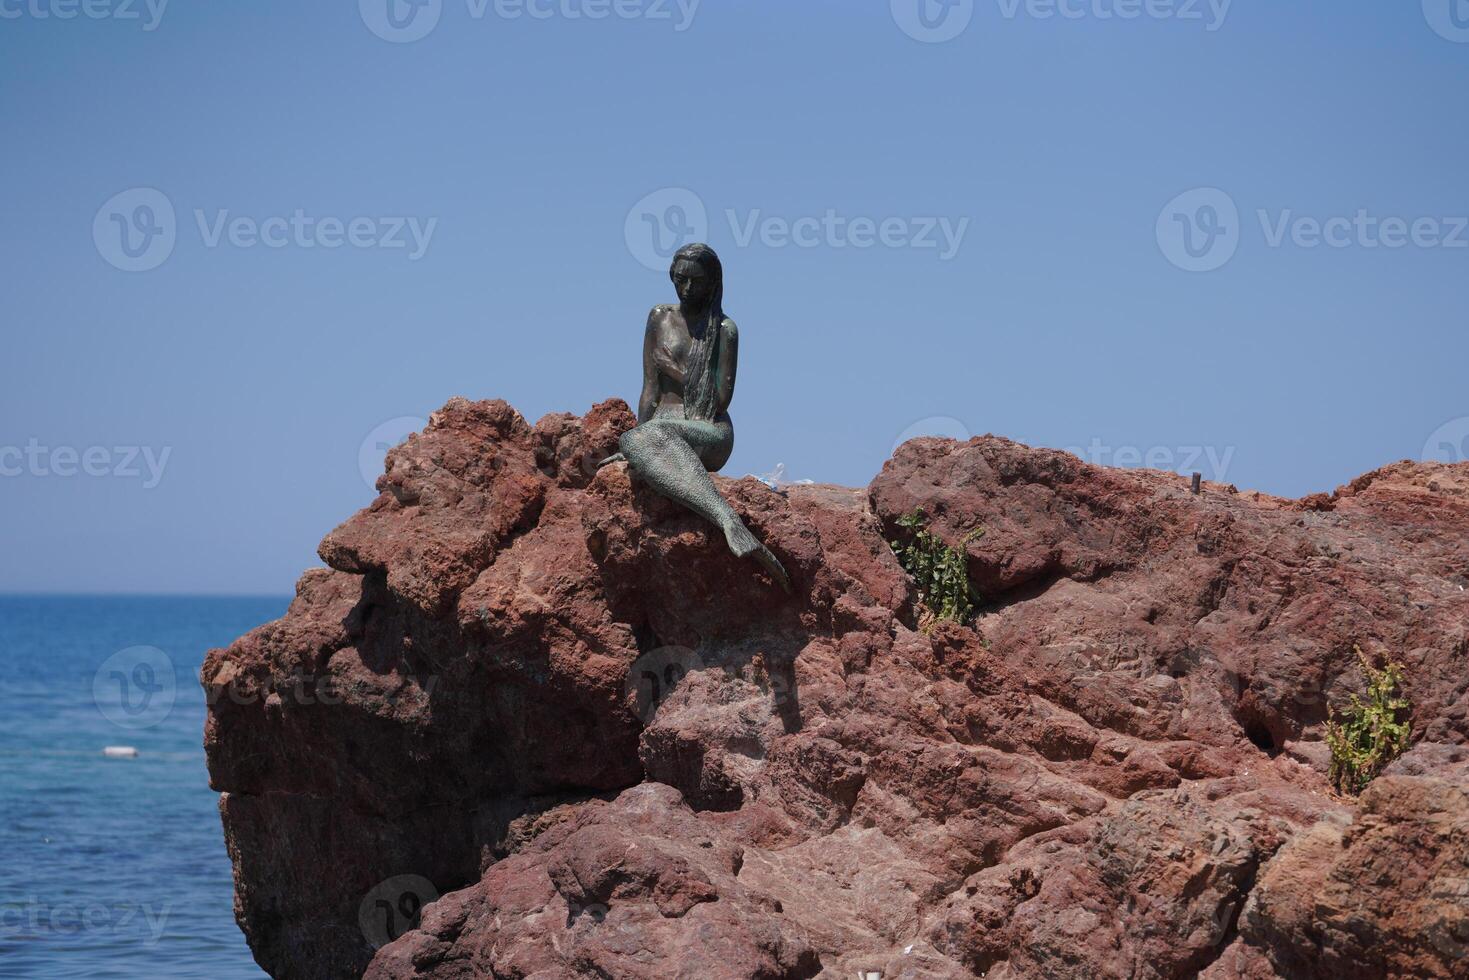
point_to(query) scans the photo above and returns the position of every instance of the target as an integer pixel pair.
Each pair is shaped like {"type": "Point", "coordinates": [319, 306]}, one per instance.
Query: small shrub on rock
{"type": "Point", "coordinates": [938, 571]}
{"type": "Point", "coordinates": [1366, 735]}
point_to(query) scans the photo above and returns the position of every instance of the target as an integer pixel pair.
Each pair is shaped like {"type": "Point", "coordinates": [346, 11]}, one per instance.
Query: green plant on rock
{"type": "Point", "coordinates": [1366, 735]}
{"type": "Point", "coordinates": [939, 571]}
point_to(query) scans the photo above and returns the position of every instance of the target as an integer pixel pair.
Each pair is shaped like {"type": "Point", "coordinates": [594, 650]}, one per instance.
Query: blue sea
{"type": "Point", "coordinates": [113, 867]}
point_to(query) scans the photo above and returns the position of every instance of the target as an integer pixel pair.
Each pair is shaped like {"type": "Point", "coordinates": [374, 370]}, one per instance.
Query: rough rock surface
{"type": "Point", "coordinates": [553, 702]}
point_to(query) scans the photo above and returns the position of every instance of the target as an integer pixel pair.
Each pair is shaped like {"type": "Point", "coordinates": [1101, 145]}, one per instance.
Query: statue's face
{"type": "Point", "coordinates": [690, 281]}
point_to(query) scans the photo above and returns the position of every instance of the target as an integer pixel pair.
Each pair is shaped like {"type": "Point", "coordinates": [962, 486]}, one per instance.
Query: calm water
{"type": "Point", "coordinates": [113, 867]}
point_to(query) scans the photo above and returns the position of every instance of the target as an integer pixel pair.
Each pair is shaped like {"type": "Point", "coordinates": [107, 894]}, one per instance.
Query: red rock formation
{"type": "Point", "coordinates": [554, 702]}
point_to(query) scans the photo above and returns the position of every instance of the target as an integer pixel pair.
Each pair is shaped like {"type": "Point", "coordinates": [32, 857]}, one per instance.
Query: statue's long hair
{"type": "Point", "coordinates": [701, 376]}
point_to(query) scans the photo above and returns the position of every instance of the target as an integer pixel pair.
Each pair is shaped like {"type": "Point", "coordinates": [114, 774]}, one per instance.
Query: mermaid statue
{"type": "Point", "coordinates": [684, 432]}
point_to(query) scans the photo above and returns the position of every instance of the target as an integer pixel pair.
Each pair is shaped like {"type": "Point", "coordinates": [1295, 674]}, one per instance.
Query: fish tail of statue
{"type": "Point", "coordinates": [691, 353]}
{"type": "Point", "coordinates": [660, 453]}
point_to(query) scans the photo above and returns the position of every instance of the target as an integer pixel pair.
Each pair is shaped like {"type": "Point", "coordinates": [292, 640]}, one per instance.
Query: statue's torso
{"type": "Point", "coordinates": [671, 356]}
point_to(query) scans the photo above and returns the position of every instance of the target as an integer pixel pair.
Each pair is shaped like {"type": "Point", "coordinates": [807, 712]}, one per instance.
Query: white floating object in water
{"type": "Point", "coordinates": [120, 752]}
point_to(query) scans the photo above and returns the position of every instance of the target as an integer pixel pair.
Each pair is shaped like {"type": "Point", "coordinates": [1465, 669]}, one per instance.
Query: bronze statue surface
{"type": "Point", "coordinates": [684, 432]}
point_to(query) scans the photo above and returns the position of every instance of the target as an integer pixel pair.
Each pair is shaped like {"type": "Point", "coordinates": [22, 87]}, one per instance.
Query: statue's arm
{"type": "Point", "coordinates": [729, 360]}
{"type": "Point", "coordinates": [648, 398]}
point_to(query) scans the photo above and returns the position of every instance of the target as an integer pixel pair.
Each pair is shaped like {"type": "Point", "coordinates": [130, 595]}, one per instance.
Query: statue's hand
{"type": "Point", "coordinates": [664, 359]}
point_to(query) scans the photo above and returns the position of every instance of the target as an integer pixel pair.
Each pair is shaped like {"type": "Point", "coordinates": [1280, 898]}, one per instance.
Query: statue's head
{"type": "Point", "coordinates": [696, 273]}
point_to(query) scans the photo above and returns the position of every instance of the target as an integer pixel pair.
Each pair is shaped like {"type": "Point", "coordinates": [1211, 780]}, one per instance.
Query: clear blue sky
{"type": "Point", "coordinates": [1055, 143]}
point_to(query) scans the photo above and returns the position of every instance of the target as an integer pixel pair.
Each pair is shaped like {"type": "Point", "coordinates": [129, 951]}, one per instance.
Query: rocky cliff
{"type": "Point", "coordinates": [535, 722]}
